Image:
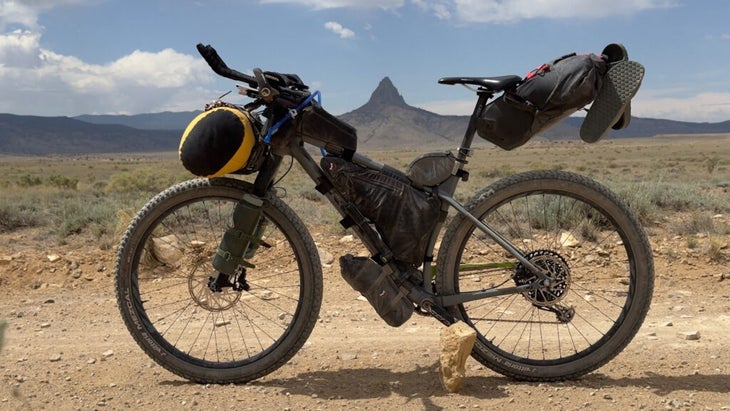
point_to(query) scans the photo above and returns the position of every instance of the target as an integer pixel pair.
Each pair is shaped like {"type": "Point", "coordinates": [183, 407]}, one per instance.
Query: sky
{"type": "Point", "coordinates": [73, 57]}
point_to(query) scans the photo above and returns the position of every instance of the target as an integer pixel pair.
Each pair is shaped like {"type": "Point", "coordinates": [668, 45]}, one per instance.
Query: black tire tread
{"type": "Point", "coordinates": [301, 231]}
{"type": "Point", "coordinates": [624, 336]}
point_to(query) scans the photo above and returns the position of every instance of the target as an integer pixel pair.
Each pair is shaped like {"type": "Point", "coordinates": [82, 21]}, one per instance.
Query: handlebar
{"type": "Point", "coordinates": [267, 85]}
{"type": "Point", "coordinates": [219, 66]}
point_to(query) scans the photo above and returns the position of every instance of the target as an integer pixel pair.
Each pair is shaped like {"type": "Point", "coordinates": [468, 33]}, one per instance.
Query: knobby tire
{"type": "Point", "coordinates": [163, 272]}
{"type": "Point", "coordinates": [592, 245]}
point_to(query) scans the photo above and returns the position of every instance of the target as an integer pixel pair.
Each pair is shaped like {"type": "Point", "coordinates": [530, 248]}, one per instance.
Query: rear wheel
{"type": "Point", "coordinates": [208, 331]}
{"type": "Point", "coordinates": [596, 256]}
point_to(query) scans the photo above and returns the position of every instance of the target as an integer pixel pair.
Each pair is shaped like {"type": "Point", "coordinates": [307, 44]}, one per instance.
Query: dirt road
{"type": "Point", "coordinates": [66, 348]}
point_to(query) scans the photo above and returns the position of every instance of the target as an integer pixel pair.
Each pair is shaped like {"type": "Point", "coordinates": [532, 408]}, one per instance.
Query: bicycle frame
{"type": "Point", "coordinates": [246, 315]}
{"type": "Point", "coordinates": [423, 295]}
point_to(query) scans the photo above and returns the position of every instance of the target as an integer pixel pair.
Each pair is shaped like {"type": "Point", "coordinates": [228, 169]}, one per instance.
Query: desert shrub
{"type": "Point", "coordinates": [696, 222]}
{"type": "Point", "coordinates": [62, 182]}
{"type": "Point", "coordinates": [76, 214]}
{"type": "Point", "coordinates": [714, 250]}
{"type": "Point", "coordinates": [312, 196]}
{"type": "Point", "coordinates": [17, 214]}
{"type": "Point", "coordinates": [28, 180]}
{"type": "Point", "coordinates": [498, 172]}
{"type": "Point", "coordinates": [139, 180]}
{"type": "Point", "coordinates": [711, 163]}
{"type": "Point", "coordinates": [653, 199]}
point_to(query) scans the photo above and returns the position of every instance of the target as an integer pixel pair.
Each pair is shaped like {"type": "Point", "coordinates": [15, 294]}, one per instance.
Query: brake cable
{"type": "Point", "coordinates": [291, 114]}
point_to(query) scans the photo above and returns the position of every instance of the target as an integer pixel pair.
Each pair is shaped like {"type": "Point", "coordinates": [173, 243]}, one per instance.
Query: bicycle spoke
{"type": "Point", "coordinates": [581, 250]}
{"type": "Point", "coordinates": [168, 281]}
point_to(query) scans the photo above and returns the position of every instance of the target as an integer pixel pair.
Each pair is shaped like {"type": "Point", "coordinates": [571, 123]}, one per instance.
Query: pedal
{"type": "Point", "coordinates": [620, 84]}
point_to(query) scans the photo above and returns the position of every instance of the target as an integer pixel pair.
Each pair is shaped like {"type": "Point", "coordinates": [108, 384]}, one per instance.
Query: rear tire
{"type": "Point", "coordinates": [163, 291]}
{"type": "Point", "coordinates": [593, 247]}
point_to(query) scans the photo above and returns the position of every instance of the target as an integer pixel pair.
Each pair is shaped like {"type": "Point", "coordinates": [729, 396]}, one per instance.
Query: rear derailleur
{"type": "Point", "coordinates": [562, 313]}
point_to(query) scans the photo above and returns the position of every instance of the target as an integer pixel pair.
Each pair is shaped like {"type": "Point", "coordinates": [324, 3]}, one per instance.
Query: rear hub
{"type": "Point", "coordinates": [551, 290]}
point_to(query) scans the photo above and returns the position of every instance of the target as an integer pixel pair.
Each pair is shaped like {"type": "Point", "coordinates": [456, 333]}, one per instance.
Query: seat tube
{"type": "Point", "coordinates": [465, 148]}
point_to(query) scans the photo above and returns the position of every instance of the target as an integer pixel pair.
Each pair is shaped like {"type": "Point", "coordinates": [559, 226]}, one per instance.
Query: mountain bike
{"type": "Point", "coordinates": [552, 270]}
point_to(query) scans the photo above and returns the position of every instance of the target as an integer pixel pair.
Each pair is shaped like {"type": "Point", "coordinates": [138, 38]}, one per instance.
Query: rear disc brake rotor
{"type": "Point", "coordinates": [558, 271]}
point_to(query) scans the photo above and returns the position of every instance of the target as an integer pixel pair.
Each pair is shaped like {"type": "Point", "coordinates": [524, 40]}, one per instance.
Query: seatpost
{"type": "Point", "coordinates": [465, 148]}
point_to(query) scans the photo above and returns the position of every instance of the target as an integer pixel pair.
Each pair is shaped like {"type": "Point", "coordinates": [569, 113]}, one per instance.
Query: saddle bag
{"type": "Point", "coordinates": [548, 94]}
{"type": "Point", "coordinates": [400, 212]}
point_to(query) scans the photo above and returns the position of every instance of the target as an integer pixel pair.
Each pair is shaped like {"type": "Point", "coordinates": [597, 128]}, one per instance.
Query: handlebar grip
{"type": "Point", "coordinates": [217, 64]}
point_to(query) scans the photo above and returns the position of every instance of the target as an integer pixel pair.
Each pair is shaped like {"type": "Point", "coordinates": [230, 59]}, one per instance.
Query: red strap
{"type": "Point", "coordinates": [538, 71]}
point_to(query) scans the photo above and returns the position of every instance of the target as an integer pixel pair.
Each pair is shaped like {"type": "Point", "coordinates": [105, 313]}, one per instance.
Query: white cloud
{"type": "Point", "coordinates": [142, 81]}
{"type": "Point", "coordinates": [500, 11]}
{"type": "Point", "coordinates": [440, 9]}
{"type": "Point", "coordinates": [19, 48]}
{"type": "Point", "coordinates": [25, 12]}
{"type": "Point", "coordinates": [139, 82]}
{"type": "Point", "coordinates": [497, 11]}
{"type": "Point", "coordinates": [703, 107]}
{"type": "Point", "coordinates": [338, 29]}
{"type": "Point", "coordinates": [332, 4]}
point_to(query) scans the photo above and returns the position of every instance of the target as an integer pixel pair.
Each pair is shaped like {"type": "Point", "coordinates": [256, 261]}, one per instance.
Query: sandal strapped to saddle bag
{"type": "Point", "coordinates": [548, 94]}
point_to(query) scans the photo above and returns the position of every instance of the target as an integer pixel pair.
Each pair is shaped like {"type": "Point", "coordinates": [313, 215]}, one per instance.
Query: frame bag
{"type": "Point", "coordinates": [548, 94]}
{"type": "Point", "coordinates": [402, 214]}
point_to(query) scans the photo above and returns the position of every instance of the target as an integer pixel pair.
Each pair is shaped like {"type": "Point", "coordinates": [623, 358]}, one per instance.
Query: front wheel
{"type": "Point", "coordinates": [205, 330]}
{"type": "Point", "coordinates": [598, 262]}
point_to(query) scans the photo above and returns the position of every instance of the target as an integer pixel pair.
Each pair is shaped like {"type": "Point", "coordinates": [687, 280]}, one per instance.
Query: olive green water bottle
{"type": "Point", "coordinates": [242, 235]}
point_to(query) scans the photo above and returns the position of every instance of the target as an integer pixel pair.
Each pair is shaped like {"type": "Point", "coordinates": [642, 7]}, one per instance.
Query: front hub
{"type": "Point", "coordinates": [211, 295]}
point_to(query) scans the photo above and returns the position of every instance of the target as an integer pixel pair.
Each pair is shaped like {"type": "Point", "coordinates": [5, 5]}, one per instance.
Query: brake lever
{"type": "Point", "coordinates": [248, 92]}
{"type": "Point", "coordinates": [266, 92]}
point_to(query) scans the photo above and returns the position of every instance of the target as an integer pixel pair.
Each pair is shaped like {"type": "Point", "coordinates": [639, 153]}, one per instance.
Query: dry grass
{"type": "Point", "coordinates": [676, 182]}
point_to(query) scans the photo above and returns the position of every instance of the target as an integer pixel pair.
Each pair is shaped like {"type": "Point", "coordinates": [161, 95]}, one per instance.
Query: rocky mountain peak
{"type": "Point", "coordinates": [386, 95]}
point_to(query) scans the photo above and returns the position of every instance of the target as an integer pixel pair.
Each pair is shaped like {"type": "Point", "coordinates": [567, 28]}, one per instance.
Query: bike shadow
{"type": "Point", "coordinates": [423, 384]}
{"type": "Point", "coordinates": [660, 384]}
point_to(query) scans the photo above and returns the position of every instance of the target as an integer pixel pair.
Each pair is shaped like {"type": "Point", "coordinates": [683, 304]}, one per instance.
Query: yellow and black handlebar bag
{"type": "Point", "coordinates": [217, 142]}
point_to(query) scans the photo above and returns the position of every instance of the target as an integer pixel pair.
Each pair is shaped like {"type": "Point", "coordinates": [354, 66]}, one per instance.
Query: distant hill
{"type": "Point", "coordinates": [152, 121]}
{"type": "Point", "coordinates": [387, 122]}
{"type": "Point", "coordinates": [384, 122]}
{"type": "Point", "coordinates": [33, 135]}
{"type": "Point", "coordinates": [649, 127]}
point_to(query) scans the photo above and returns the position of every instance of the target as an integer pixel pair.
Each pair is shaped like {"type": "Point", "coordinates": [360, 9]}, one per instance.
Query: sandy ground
{"type": "Point", "coordinates": [66, 348]}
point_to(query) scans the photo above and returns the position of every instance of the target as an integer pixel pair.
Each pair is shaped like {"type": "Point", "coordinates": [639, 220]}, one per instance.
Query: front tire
{"type": "Point", "coordinates": [194, 330]}
{"type": "Point", "coordinates": [593, 248]}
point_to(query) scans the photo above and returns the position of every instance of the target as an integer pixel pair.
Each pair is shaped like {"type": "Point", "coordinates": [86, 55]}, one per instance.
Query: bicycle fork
{"type": "Point", "coordinates": [238, 244]}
